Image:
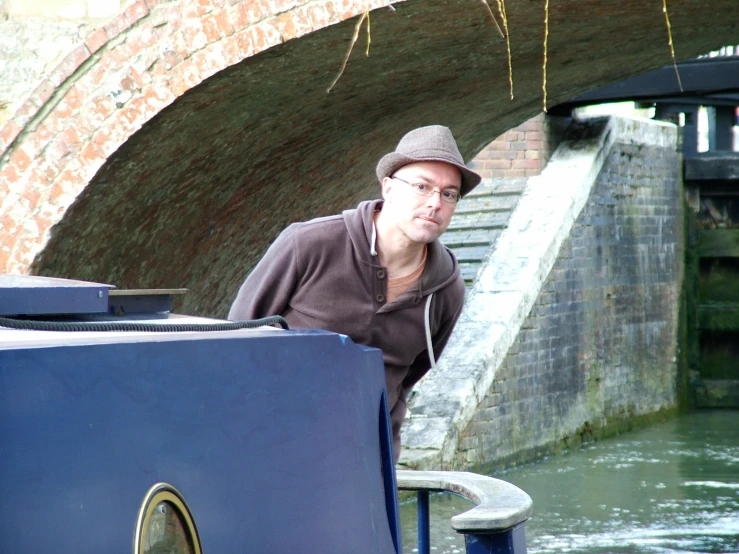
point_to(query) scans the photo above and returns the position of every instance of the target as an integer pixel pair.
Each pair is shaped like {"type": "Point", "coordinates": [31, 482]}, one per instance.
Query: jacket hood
{"type": "Point", "coordinates": [441, 268]}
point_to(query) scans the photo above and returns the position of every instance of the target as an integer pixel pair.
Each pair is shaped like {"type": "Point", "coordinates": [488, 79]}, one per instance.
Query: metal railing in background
{"type": "Point", "coordinates": [496, 525]}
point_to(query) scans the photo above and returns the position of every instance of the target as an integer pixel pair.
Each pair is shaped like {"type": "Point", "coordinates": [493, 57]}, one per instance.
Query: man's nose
{"type": "Point", "coordinates": [434, 201]}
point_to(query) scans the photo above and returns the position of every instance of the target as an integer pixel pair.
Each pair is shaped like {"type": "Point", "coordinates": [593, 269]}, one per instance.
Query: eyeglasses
{"type": "Point", "coordinates": [450, 196]}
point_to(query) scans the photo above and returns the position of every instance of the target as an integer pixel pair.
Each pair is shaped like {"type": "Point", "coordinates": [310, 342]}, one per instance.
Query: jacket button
{"type": "Point", "coordinates": [380, 298]}
{"type": "Point", "coordinates": [381, 274]}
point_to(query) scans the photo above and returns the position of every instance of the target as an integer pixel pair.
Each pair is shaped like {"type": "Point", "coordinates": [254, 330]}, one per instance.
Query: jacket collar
{"type": "Point", "coordinates": [441, 265]}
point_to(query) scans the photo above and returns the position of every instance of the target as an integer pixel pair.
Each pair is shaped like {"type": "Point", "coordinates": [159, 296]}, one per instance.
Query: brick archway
{"type": "Point", "coordinates": [106, 89]}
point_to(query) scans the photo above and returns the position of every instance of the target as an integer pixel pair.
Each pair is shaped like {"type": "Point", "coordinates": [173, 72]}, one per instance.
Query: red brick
{"type": "Point", "coordinates": [505, 154]}
{"type": "Point", "coordinates": [141, 38]}
{"type": "Point", "coordinates": [56, 192]}
{"type": "Point", "coordinates": [36, 141]}
{"type": "Point", "coordinates": [497, 164]}
{"type": "Point", "coordinates": [127, 83]}
{"type": "Point", "coordinates": [71, 137]}
{"type": "Point", "coordinates": [42, 93]}
{"type": "Point", "coordinates": [272, 34]}
{"type": "Point", "coordinates": [193, 38]}
{"type": "Point", "coordinates": [57, 152]}
{"type": "Point", "coordinates": [153, 3]}
{"type": "Point", "coordinates": [302, 20]}
{"type": "Point", "coordinates": [224, 23]}
{"type": "Point", "coordinates": [26, 112]}
{"type": "Point", "coordinates": [331, 11]}
{"type": "Point", "coordinates": [498, 144]}
{"type": "Point", "coordinates": [240, 17]}
{"type": "Point", "coordinates": [348, 9]}
{"type": "Point", "coordinates": [177, 85]}
{"type": "Point", "coordinates": [9, 174]}
{"type": "Point", "coordinates": [136, 11]}
{"type": "Point", "coordinates": [69, 65]}
{"type": "Point", "coordinates": [534, 145]}
{"type": "Point", "coordinates": [526, 164]}
{"type": "Point", "coordinates": [106, 143]}
{"type": "Point", "coordinates": [534, 135]}
{"type": "Point", "coordinates": [91, 155]}
{"type": "Point", "coordinates": [116, 26]}
{"type": "Point", "coordinates": [246, 46]}
{"type": "Point", "coordinates": [533, 155]}
{"type": "Point", "coordinates": [286, 26]}
{"type": "Point", "coordinates": [8, 134]}
{"type": "Point", "coordinates": [532, 172]}
{"type": "Point", "coordinates": [32, 196]}
{"type": "Point", "coordinates": [231, 51]}
{"type": "Point", "coordinates": [96, 40]}
{"type": "Point", "coordinates": [257, 10]}
{"type": "Point", "coordinates": [5, 253]}
{"type": "Point", "coordinates": [317, 16]}
{"type": "Point", "coordinates": [173, 16]}
{"type": "Point", "coordinates": [131, 118]}
{"type": "Point", "coordinates": [258, 38]}
{"type": "Point", "coordinates": [20, 159]}
{"type": "Point", "coordinates": [121, 54]}
{"type": "Point", "coordinates": [533, 124]}
{"type": "Point", "coordinates": [42, 176]}
{"type": "Point", "coordinates": [43, 223]}
{"type": "Point", "coordinates": [518, 145]}
{"type": "Point", "coordinates": [102, 108]}
{"type": "Point", "coordinates": [210, 28]}
{"type": "Point", "coordinates": [74, 98]}
{"type": "Point", "coordinates": [156, 98]}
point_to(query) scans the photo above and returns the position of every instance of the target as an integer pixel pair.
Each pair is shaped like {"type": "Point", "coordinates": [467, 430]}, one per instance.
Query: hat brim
{"type": "Point", "coordinates": [392, 162]}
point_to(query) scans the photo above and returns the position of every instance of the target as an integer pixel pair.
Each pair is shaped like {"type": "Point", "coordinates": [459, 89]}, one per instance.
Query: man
{"type": "Point", "coordinates": [376, 273]}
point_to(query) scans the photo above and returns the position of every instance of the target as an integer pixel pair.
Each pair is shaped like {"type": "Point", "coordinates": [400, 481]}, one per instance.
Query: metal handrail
{"type": "Point", "coordinates": [500, 506]}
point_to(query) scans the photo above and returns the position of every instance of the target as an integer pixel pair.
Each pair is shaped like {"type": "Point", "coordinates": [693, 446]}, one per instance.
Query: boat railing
{"type": "Point", "coordinates": [495, 524]}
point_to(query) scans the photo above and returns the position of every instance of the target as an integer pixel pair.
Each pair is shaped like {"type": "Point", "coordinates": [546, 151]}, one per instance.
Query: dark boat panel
{"type": "Point", "coordinates": [273, 439]}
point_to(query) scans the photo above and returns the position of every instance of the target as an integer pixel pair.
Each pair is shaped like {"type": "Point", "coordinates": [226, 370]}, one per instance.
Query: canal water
{"type": "Point", "coordinates": [670, 488]}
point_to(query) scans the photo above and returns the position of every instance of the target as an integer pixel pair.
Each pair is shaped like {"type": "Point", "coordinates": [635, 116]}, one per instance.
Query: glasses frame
{"type": "Point", "coordinates": [433, 190]}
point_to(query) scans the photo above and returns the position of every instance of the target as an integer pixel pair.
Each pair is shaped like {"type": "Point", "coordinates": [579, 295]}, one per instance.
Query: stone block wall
{"type": "Point", "coordinates": [598, 349]}
{"type": "Point", "coordinates": [522, 151]}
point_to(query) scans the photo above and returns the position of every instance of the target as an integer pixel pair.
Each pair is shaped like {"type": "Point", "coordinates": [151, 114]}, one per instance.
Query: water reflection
{"type": "Point", "coordinates": [670, 488]}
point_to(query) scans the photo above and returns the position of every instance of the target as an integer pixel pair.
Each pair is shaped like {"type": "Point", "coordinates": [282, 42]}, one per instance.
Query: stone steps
{"type": "Point", "coordinates": [478, 221]}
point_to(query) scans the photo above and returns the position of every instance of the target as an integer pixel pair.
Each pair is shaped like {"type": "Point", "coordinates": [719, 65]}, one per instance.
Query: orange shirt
{"type": "Point", "coordinates": [398, 285]}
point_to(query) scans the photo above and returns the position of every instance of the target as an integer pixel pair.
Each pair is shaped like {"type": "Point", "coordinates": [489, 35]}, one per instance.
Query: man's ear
{"type": "Point", "coordinates": [387, 188]}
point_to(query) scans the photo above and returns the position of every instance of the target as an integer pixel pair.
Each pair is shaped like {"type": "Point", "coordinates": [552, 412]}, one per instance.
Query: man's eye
{"type": "Point", "coordinates": [422, 187]}
{"type": "Point", "coordinates": [449, 195]}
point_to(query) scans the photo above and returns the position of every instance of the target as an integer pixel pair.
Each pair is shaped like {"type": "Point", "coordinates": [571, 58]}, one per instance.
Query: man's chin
{"type": "Point", "coordinates": [425, 237]}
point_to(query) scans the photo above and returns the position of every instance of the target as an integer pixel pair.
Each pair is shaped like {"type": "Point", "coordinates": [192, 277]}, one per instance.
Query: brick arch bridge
{"type": "Point", "coordinates": [172, 146]}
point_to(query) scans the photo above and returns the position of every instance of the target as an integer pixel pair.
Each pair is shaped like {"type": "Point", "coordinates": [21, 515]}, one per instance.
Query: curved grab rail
{"type": "Point", "coordinates": [500, 505]}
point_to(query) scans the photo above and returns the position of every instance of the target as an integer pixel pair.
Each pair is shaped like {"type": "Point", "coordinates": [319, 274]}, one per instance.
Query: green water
{"type": "Point", "coordinates": [670, 488]}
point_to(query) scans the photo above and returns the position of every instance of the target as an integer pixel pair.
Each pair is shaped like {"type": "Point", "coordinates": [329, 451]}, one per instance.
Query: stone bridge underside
{"type": "Point", "coordinates": [201, 178]}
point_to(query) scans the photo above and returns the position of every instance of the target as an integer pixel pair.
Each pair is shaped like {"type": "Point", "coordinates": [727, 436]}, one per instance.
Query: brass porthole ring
{"type": "Point", "coordinates": [165, 523]}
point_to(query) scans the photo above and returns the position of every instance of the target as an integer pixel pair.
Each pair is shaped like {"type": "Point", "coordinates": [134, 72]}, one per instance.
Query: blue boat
{"type": "Point", "coordinates": [125, 428]}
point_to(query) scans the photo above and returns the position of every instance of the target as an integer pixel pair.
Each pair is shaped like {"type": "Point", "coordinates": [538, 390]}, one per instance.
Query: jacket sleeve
{"type": "Point", "coordinates": [269, 287]}
{"type": "Point", "coordinates": [418, 369]}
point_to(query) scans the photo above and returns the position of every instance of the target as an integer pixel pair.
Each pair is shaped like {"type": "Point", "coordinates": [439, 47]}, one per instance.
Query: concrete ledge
{"type": "Point", "coordinates": [500, 505]}
{"type": "Point", "coordinates": [508, 284]}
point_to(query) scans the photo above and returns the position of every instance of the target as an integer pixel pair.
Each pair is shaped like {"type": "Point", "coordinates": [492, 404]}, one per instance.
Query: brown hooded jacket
{"type": "Point", "coordinates": [322, 274]}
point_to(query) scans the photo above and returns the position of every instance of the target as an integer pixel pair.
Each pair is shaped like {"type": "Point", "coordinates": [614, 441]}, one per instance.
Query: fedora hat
{"type": "Point", "coordinates": [434, 143]}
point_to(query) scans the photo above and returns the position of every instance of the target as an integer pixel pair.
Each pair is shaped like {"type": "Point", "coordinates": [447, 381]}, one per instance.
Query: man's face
{"type": "Point", "coordinates": [422, 219]}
